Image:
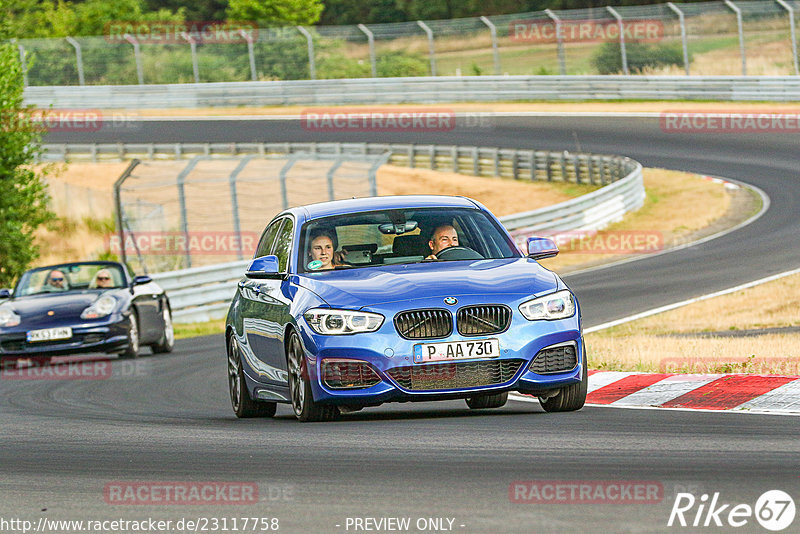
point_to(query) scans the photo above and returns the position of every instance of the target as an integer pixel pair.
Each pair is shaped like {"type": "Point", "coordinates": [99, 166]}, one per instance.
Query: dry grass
{"type": "Point", "coordinates": [649, 344]}
{"type": "Point", "coordinates": [677, 205]}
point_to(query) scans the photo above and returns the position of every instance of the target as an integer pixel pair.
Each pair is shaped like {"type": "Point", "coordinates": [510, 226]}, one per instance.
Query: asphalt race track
{"type": "Point", "coordinates": [168, 418]}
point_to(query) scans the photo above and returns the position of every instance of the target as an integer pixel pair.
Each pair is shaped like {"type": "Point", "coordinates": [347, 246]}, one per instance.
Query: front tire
{"type": "Point", "coordinates": [132, 351]}
{"type": "Point", "coordinates": [303, 404]}
{"type": "Point", "coordinates": [167, 341]}
{"type": "Point", "coordinates": [243, 406]}
{"type": "Point", "coordinates": [488, 401]}
{"type": "Point", "coordinates": [570, 398]}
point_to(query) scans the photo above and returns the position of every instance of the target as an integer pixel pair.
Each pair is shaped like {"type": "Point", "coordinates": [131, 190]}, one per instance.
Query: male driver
{"type": "Point", "coordinates": [55, 281]}
{"type": "Point", "coordinates": [444, 236]}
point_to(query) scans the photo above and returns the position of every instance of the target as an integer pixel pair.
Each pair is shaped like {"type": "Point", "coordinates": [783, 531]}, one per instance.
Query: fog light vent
{"type": "Point", "coordinates": [348, 374]}
{"type": "Point", "coordinates": [557, 359]}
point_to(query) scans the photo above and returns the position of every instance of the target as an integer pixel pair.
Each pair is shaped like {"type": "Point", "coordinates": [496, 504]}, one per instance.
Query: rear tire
{"type": "Point", "coordinates": [303, 404]}
{"type": "Point", "coordinates": [488, 401]}
{"type": "Point", "coordinates": [570, 398]}
{"type": "Point", "coordinates": [132, 351]}
{"type": "Point", "coordinates": [243, 406]}
{"type": "Point", "coordinates": [167, 341]}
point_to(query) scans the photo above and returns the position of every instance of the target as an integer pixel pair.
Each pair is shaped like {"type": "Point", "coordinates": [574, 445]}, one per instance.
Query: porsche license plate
{"type": "Point", "coordinates": [456, 350]}
{"type": "Point", "coordinates": [49, 334]}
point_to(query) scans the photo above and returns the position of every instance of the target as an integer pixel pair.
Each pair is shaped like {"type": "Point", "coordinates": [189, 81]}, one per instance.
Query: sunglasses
{"type": "Point", "coordinates": [103, 278]}
{"type": "Point", "coordinates": [57, 279]}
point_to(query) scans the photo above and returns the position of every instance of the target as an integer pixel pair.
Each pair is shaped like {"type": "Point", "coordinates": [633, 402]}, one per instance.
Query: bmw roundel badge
{"type": "Point", "coordinates": [450, 301]}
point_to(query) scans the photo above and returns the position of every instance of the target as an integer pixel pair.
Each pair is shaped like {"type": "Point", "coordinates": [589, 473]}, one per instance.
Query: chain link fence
{"type": "Point", "coordinates": [208, 210]}
{"type": "Point", "coordinates": [705, 38]}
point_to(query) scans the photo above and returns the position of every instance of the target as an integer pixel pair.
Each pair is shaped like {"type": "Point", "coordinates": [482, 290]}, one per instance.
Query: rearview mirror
{"type": "Point", "coordinates": [5, 293]}
{"type": "Point", "coordinates": [398, 228]}
{"type": "Point", "coordinates": [540, 248]}
{"type": "Point", "coordinates": [265, 267]}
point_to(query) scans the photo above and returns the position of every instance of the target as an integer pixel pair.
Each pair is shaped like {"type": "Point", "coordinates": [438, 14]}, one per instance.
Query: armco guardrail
{"type": "Point", "coordinates": [203, 293]}
{"type": "Point", "coordinates": [417, 90]}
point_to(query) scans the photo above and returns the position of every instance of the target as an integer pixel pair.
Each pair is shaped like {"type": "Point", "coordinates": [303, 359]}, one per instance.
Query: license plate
{"type": "Point", "coordinates": [49, 334]}
{"type": "Point", "coordinates": [456, 350]}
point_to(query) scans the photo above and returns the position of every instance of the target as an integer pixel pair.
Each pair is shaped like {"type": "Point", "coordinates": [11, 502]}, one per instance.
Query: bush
{"type": "Point", "coordinates": [608, 59]}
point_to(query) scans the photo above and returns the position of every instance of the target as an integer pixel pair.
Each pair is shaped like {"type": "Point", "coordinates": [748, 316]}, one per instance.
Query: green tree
{"type": "Point", "coordinates": [275, 12]}
{"type": "Point", "coordinates": [23, 194]}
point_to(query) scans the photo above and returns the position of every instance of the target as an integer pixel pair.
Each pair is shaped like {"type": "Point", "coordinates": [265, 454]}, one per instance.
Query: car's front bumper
{"type": "Point", "coordinates": [108, 336]}
{"type": "Point", "coordinates": [385, 352]}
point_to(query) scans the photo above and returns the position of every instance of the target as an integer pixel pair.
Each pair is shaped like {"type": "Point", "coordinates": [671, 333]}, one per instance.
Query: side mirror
{"type": "Point", "coordinates": [5, 293]}
{"type": "Point", "coordinates": [141, 280]}
{"type": "Point", "coordinates": [540, 248]}
{"type": "Point", "coordinates": [265, 267]}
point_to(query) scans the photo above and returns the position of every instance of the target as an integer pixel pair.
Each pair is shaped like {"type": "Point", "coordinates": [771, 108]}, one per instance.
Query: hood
{"type": "Point", "coordinates": [68, 304]}
{"type": "Point", "coordinates": [369, 286]}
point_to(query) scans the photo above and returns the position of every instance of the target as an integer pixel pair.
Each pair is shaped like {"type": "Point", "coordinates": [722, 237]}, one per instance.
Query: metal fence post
{"type": "Point", "coordinates": [24, 64]}
{"type": "Point", "coordinates": [790, 10]}
{"type": "Point", "coordinates": [137, 56]}
{"type": "Point", "coordinates": [282, 176]}
{"type": "Point", "coordinates": [118, 201]}
{"type": "Point", "coordinates": [562, 64]}
{"type": "Point", "coordinates": [179, 182]}
{"type": "Point", "coordinates": [371, 39]}
{"type": "Point", "coordinates": [235, 200]}
{"type": "Point", "coordinates": [250, 53]}
{"type": "Point", "coordinates": [78, 59]}
{"type": "Point", "coordinates": [622, 52]}
{"type": "Point", "coordinates": [684, 43]}
{"type": "Point", "coordinates": [330, 174]}
{"type": "Point", "coordinates": [431, 49]}
{"type": "Point", "coordinates": [373, 171]}
{"type": "Point", "coordinates": [495, 51]}
{"type": "Point", "coordinates": [312, 65]}
{"type": "Point", "coordinates": [193, 45]}
{"type": "Point", "coordinates": [738, 12]}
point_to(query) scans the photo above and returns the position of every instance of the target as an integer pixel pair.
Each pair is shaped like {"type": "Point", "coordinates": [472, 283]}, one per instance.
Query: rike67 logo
{"type": "Point", "coordinates": [774, 510]}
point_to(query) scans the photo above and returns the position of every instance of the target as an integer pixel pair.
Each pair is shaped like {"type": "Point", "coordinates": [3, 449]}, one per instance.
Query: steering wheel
{"type": "Point", "coordinates": [458, 253]}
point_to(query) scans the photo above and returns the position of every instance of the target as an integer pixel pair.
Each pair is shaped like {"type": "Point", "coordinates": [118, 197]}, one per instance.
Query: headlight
{"type": "Point", "coordinates": [8, 317]}
{"type": "Point", "coordinates": [100, 308]}
{"type": "Point", "coordinates": [336, 322]}
{"type": "Point", "coordinates": [558, 305]}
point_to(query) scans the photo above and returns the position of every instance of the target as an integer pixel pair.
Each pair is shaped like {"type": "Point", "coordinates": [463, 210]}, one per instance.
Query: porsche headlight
{"type": "Point", "coordinates": [558, 305]}
{"type": "Point", "coordinates": [8, 317]}
{"type": "Point", "coordinates": [336, 322]}
{"type": "Point", "coordinates": [100, 308]}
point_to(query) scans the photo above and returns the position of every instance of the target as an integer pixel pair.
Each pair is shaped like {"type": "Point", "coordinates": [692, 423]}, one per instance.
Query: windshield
{"type": "Point", "coordinates": [401, 236]}
{"type": "Point", "coordinates": [70, 277]}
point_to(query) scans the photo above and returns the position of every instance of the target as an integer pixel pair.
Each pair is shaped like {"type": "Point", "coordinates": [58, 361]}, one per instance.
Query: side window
{"type": "Point", "coordinates": [283, 245]}
{"type": "Point", "coordinates": [267, 240]}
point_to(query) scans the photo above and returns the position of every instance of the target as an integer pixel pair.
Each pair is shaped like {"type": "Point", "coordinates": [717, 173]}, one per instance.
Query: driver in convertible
{"type": "Point", "coordinates": [55, 281]}
{"type": "Point", "coordinates": [444, 236]}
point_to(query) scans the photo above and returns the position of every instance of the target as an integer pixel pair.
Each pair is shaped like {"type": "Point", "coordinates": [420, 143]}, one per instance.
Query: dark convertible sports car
{"type": "Point", "coordinates": [83, 307]}
{"type": "Point", "coordinates": [358, 302]}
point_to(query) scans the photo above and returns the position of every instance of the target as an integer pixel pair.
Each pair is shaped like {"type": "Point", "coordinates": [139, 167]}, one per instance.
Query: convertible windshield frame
{"type": "Point", "coordinates": [120, 278]}
{"type": "Point", "coordinates": [368, 245]}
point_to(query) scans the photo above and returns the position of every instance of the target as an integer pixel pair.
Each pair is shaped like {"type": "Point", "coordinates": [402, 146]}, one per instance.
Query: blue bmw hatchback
{"type": "Point", "coordinates": [354, 303]}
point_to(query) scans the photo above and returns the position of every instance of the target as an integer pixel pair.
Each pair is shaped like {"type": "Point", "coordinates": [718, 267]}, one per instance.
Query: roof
{"type": "Point", "coordinates": [354, 205]}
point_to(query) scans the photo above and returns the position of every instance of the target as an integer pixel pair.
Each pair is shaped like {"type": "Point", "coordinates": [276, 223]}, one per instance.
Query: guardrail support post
{"type": "Point", "coordinates": [431, 49]}
{"type": "Point", "coordinates": [78, 58]}
{"type": "Point", "coordinates": [790, 10]}
{"type": "Point", "coordinates": [193, 44]}
{"type": "Point", "coordinates": [495, 51]}
{"type": "Point", "coordinates": [622, 51]}
{"type": "Point", "coordinates": [250, 53]}
{"type": "Point", "coordinates": [684, 43]}
{"type": "Point", "coordinates": [371, 39]}
{"type": "Point", "coordinates": [738, 12]}
{"type": "Point", "coordinates": [137, 56]}
{"type": "Point", "coordinates": [312, 65]}
{"type": "Point", "coordinates": [562, 64]}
